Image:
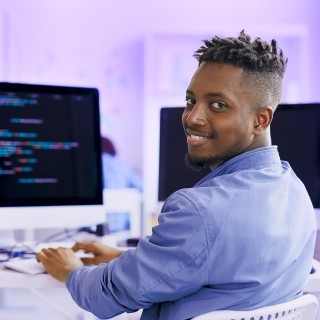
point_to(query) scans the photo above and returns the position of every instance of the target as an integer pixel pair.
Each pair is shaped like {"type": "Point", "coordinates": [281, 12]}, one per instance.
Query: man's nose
{"type": "Point", "coordinates": [196, 116]}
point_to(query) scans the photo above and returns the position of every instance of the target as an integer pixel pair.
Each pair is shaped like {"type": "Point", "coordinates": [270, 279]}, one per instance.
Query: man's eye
{"type": "Point", "coordinates": [218, 105]}
{"type": "Point", "coordinates": [190, 101]}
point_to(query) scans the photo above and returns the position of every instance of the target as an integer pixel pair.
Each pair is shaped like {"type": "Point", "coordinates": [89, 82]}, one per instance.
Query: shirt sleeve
{"type": "Point", "coordinates": [166, 267]}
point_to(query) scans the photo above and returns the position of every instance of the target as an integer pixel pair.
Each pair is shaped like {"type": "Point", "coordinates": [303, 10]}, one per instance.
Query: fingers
{"type": "Point", "coordinates": [85, 246]}
{"type": "Point", "coordinates": [52, 253]}
{"type": "Point", "coordinates": [101, 253]}
{"type": "Point", "coordinates": [38, 258]}
{"type": "Point", "coordinates": [59, 262]}
{"type": "Point", "coordinates": [44, 254]}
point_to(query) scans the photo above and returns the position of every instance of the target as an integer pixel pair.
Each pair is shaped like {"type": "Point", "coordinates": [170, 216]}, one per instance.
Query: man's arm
{"type": "Point", "coordinates": [165, 267]}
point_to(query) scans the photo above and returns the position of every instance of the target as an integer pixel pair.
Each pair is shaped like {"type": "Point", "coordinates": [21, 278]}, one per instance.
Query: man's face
{"type": "Point", "coordinates": [218, 119]}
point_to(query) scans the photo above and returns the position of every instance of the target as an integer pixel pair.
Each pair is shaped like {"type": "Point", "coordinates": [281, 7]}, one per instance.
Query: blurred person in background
{"type": "Point", "coordinates": [116, 172]}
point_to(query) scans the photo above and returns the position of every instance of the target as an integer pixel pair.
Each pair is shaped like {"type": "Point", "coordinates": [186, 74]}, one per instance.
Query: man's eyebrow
{"type": "Point", "coordinates": [215, 94]}
{"type": "Point", "coordinates": [210, 94]}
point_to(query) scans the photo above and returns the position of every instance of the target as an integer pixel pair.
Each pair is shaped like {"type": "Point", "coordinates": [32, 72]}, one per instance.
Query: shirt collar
{"type": "Point", "coordinates": [252, 159]}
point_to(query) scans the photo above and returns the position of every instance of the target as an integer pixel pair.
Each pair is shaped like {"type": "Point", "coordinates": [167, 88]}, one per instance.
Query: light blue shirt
{"type": "Point", "coordinates": [242, 238]}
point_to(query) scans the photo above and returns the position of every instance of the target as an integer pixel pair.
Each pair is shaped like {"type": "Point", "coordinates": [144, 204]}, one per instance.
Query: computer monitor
{"type": "Point", "coordinates": [295, 130]}
{"type": "Point", "coordinates": [173, 172]}
{"type": "Point", "coordinates": [50, 157]}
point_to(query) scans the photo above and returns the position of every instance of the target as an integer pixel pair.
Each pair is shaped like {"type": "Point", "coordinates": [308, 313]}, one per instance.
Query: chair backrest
{"type": "Point", "coordinates": [302, 308]}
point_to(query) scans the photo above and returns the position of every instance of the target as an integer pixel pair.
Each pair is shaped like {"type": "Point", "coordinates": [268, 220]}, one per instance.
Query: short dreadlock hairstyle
{"type": "Point", "coordinates": [263, 64]}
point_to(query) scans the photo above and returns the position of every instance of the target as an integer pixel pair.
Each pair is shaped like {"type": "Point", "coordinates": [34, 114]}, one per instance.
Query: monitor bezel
{"type": "Point", "coordinates": [97, 198]}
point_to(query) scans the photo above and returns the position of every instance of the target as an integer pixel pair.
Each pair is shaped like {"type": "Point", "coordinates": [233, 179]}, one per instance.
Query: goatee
{"type": "Point", "coordinates": [197, 164]}
{"type": "Point", "coordinates": [203, 164]}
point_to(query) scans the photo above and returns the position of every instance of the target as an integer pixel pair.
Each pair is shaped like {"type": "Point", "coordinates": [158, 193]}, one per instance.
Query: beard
{"type": "Point", "coordinates": [212, 162]}
{"type": "Point", "coordinates": [206, 164]}
{"type": "Point", "coordinates": [200, 164]}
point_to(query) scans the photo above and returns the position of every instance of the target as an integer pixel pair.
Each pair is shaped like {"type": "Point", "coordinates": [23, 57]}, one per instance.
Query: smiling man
{"type": "Point", "coordinates": [242, 237]}
{"type": "Point", "coordinates": [219, 119]}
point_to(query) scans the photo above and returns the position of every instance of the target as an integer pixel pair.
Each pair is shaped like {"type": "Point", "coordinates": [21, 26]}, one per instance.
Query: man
{"type": "Point", "coordinates": [243, 237]}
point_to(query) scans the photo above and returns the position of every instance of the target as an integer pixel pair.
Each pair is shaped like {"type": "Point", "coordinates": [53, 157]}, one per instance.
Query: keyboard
{"type": "Point", "coordinates": [28, 266]}
{"type": "Point", "coordinates": [31, 265]}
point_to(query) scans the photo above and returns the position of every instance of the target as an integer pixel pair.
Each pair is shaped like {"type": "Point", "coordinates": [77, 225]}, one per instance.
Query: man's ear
{"type": "Point", "coordinates": [263, 119]}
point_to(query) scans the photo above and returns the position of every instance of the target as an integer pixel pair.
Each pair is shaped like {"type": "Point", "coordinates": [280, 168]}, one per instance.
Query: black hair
{"type": "Point", "coordinates": [107, 146]}
{"type": "Point", "coordinates": [264, 64]}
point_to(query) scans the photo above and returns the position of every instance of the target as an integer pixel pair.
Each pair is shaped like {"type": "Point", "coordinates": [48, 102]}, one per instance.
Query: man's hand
{"type": "Point", "coordinates": [59, 262]}
{"type": "Point", "coordinates": [101, 253]}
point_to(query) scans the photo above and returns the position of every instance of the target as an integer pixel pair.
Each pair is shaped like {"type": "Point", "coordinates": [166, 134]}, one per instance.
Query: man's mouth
{"type": "Point", "coordinates": [196, 135]}
{"type": "Point", "coordinates": [196, 138]}
{"type": "Point", "coordinates": [192, 136]}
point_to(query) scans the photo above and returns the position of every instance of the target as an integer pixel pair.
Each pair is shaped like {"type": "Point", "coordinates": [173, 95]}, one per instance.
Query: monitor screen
{"type": "Point", "coordinates": [173, 172]}
{"type": "Point", "coordinates": [295, 130]}
{"type": "Point", "coordinates": [50, 148]}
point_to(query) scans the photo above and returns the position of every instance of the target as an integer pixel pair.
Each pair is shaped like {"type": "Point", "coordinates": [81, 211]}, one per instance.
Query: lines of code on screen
{"type": "Point", "coordinates": [46, 146]}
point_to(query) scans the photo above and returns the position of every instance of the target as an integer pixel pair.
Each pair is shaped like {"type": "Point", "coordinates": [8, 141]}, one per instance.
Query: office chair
{"type": "Point", "coordinates": [302, 308]}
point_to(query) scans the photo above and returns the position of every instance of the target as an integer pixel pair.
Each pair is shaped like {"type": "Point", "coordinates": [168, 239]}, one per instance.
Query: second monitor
{"type": "Point", "coordinates": [294, 129]}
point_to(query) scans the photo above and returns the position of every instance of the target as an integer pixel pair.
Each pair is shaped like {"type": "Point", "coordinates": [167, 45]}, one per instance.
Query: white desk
{"type": "Point", "coordinates": [34, 283]}
{"type": "Point", "coordinates": [13, 279]}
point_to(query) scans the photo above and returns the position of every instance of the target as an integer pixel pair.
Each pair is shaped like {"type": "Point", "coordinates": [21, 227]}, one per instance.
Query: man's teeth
{"type": "Point", "coordinates": [196, 137]}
